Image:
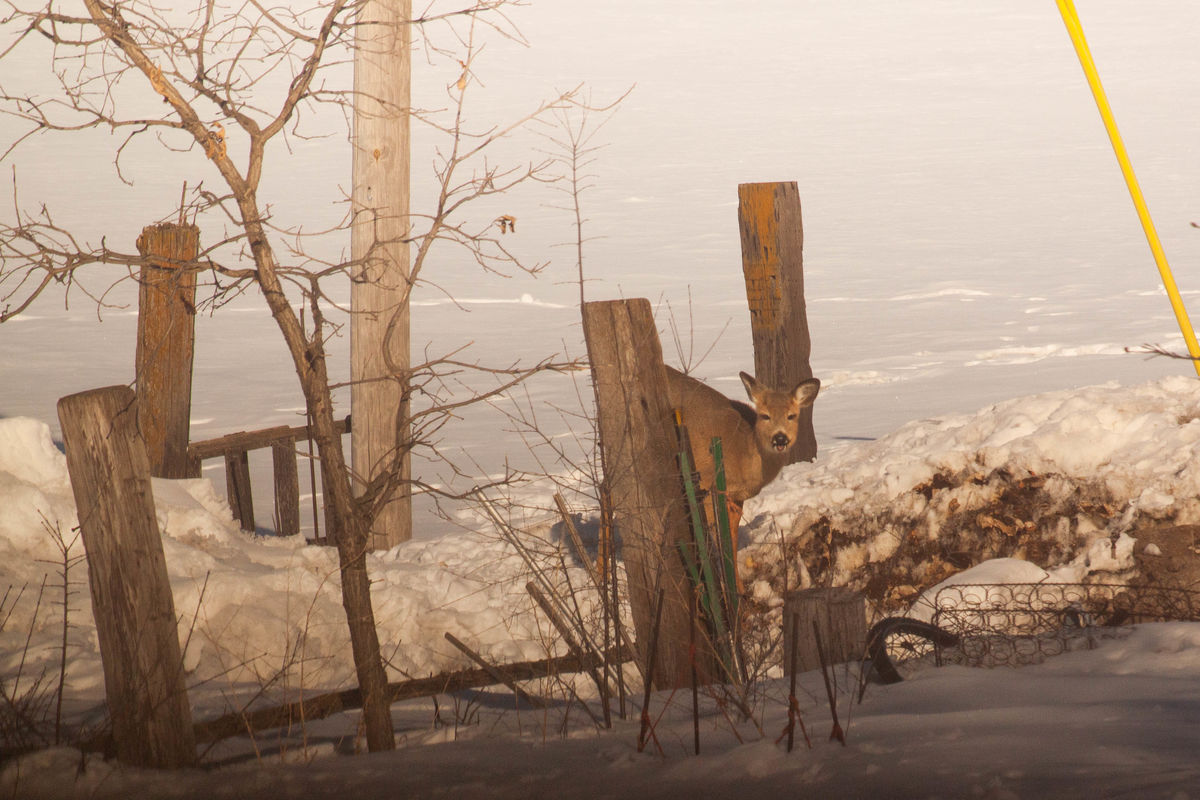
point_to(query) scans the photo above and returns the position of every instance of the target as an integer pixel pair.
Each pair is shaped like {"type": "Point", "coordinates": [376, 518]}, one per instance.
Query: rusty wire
{"type": "Point", "coordinates": [1015, 624]}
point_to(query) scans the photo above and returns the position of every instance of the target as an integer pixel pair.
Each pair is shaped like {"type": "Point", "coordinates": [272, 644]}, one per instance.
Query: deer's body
{"type": "Point", "coordinates": [756, 440]}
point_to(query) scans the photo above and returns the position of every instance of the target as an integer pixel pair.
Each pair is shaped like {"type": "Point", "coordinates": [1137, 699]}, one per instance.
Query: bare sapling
{"type": "Point", "coordinates": [69, 559]}
{"type": "Point", "coordinates": [570, 462]}
{"type": "Point", "coordinates": [217, 109]}
{"type": "Point", "coordinates": [836, 732]}
{"type": "Point", "coordinates": [31, 706]}
{"type": "Point", "coordinates": [25, 701]}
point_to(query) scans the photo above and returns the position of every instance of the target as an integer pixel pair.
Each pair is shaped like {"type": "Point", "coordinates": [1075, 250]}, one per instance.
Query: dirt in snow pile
{"type": "Point", "coordinates": [1050, 479]}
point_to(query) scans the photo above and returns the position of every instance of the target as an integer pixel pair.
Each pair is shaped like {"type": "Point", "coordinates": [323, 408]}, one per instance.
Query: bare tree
{"type": "Point", "coordinates": [230, 82]}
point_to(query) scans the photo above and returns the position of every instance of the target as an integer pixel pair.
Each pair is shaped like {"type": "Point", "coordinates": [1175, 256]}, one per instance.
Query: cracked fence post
{"type": "Point", "coordinates": [165, 345]}
{"type": "Point", "coordinates": [127, 573]}
{"type": "Point", "coordinates": [638, 448]}
{"type": "Point", "coordinates": [772, 236]}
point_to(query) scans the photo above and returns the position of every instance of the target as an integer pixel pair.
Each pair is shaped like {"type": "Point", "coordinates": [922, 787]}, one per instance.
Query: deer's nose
{"type": "Point", "coordinates": [780, 441]}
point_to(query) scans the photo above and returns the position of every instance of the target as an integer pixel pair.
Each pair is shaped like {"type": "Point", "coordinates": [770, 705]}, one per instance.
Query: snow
{"type": "Point", "coordinates": [1140, 441]}
{"type": "Point", "coordinates": [974, 275]}
{"type": "Point", "coordinates": [1121, 717]}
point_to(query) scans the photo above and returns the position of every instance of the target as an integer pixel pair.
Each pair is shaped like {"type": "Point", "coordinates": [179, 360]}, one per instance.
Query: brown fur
{"type": "Point", "coordinates": [756, 441]}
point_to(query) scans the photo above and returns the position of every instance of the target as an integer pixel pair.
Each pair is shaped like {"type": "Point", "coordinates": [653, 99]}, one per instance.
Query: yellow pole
{"type": "Point", "coordinates": [1071, 19]}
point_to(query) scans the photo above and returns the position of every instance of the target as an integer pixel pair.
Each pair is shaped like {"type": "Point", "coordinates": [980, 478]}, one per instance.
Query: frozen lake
{"type": "Point", "coordinates": [968, 236]}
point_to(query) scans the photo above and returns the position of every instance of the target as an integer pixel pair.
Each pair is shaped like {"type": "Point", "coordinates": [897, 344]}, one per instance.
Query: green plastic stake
{"type": "Point", "coordinates": [710, 595]}
{"type": "Point", "coordinates": [724, 534]}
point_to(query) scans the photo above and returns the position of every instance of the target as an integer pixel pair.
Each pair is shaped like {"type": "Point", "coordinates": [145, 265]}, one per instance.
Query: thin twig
{"type": "Point", "coordinates": [837, 732]}
{"type": "Point", "coordinates": [647, 729]}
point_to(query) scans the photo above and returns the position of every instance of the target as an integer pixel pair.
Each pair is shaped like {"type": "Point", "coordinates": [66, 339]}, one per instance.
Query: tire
{"type": "Point", "coordinates": [898, 645]}
{"type": "Point", "coordinates": [1075, 618]}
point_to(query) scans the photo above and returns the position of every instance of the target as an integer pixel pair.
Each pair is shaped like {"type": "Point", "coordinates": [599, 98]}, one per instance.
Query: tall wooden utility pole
{"type": "Point", "coordinates": [379, 326]}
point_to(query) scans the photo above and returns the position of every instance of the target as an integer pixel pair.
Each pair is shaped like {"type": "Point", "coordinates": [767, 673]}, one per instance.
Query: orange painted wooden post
{"type": "Point", "coordinates": [127, 572]}
{"type": "Point", "coordinates": [773, 264]}
{"type": "Point", "coordinates": [166, 338]}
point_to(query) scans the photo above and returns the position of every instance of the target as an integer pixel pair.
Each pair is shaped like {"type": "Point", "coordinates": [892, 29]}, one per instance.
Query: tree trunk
{"type": "Point", "coordinates": [309, 359]}
{"type": "Point", "coordinates": [349, 530]}
{"type": "Point", "coordinates": [379, 324]}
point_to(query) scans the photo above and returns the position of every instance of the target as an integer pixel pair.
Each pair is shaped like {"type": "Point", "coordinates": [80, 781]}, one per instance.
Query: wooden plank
{"type": "Point", "coordinates": [772, 235]}
{"type": "Point", "coordinates": [165, 343]}
{"type": "Point", "coordinates": [841, 617]}
{"type": "Point", "coordinates": [233, 448]}
{"type": "Point", "coordinates": [637, 440]}
{"type": "Point", "coordinates": [593, 567]}
{"type": "Point", "coordinates": [287, 487]}
{"type": "Point", "coordinates": [567, 632]}
{"type": "Point", "coordinates": [237, 488]}
{"type": "Point", "coordinates": [253, 440]}
{"type": "Point", "coordinates": [131, 594]}
{"type": "Point", "coordinates": [496, 674]}
{"type": "Point", "coordinates": [327, 705]}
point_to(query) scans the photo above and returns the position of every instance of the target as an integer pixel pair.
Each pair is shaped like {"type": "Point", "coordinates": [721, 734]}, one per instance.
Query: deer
{"type": "Point", "coordinates": [756, 440]}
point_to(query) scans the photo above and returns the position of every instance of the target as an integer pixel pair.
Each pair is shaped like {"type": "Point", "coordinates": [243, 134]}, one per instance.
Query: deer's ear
{"type": "Point", "coordinates": [806, 392]}
{"type": "Point", "coordinates": [752, 387]}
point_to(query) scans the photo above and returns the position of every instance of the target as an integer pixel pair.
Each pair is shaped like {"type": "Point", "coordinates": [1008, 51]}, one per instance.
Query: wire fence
{"type": "Point", "coordinates": [1015, 624]}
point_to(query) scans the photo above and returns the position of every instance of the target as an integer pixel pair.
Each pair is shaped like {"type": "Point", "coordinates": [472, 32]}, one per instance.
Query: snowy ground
{"type": "Point", "coordinates": [974, 273]}
{"type": "Point", "coordinates": [1119, 720]}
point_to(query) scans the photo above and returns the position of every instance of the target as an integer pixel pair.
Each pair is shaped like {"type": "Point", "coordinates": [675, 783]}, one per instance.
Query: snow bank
{"type": "Point", "coordinates": [251, 608]}
{"type": "Point", "coordinates": [259, 609]}
{"type": "Point", "coordinates": [34, 490]}
{"type": "Point", "coordinates": [1055, 470]}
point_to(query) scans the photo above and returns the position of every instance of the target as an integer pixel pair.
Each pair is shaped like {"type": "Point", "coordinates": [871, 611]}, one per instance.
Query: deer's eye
{"type": "Point", "coordinates": [764, 416]}
{"type": "Point", "coordinates": [792, 416]}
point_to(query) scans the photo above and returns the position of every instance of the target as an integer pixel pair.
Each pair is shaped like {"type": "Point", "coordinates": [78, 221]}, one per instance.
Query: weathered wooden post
{"type": "Point", "coordinates": [637, 440]}
{"type": "Point", "coordinates": [840, 614]}
{"type": "Point", "coordinates": [287, 487]}
{"type": "Point", "coordinates": [165, 343]}
{"type": "Point", "coordinates": [380, 286]}
{"type": "Point", "coordinates": [238, 488]}
{"type": "Point", "coordinates": [773, 263]}
{"type": "Point", "coordinates": [131, 594]}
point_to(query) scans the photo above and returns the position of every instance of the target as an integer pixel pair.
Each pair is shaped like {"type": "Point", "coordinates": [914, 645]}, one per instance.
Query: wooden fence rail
{"type": "Point", "coordinates": [235, 449]}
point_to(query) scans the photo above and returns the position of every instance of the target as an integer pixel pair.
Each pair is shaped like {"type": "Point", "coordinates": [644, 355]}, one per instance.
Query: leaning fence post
{"type": "Point", "coordinates": [637, 441]}
{"type": "Point", "coordinates": [166, 338]}
{"type": "Point", "coordinates": [131, 594]}
{"type": "Point", "coordinates": [773, 264]}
